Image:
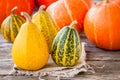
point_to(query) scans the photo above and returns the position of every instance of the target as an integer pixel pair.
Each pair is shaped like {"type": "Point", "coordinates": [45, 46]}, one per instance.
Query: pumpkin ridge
{"type": "Point", "coordinates": [110, 32]}
{"type": "Point", "coordinates": [68, 10]}
{"type": "Point", "coordinates": [85, 4]}
{"type": "Point", "coordinates": [52, 15]}
{"type": "Point", "coordinates": [94, 29]}
{"type": "Point", "coordinates": [95, 34]}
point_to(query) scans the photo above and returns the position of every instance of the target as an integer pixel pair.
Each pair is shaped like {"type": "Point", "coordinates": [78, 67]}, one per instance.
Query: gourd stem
{"type": "Point", "coordinates": [26, 15]}
{"type": "Point", "coordinates": [13, 10]}
{"type": "Point", "coordinates": [42, 7]}
{"type": "Point", "coordinates": [106, 1]}
{"type": "Point", "coordinates": [73, 24]}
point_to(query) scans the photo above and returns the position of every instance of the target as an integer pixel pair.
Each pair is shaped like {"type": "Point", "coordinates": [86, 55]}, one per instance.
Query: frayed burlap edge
{"type": "Point", "coordinates": [64, 72]}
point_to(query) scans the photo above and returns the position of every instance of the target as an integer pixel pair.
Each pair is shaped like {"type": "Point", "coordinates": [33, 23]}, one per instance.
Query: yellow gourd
{"type": "Point", "coordinates": [42, 19]}
{"type": "Point", "coordinates": [30, 49]}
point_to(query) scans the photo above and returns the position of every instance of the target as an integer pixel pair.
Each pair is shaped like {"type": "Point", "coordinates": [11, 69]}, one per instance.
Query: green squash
{"type": "Point", "coordinates": [11, 26]}
{"type": "Point", "coordinates": [66, 47]}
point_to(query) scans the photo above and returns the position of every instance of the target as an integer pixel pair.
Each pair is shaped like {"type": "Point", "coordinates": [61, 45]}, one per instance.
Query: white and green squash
{"type": "Point", "coordinates": [11, 26]}
{"type": "Point", "coordinates": [66, 47]}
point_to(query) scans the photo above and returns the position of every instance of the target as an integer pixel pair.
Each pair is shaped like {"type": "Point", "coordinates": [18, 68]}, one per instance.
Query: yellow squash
{"type": "Point", "coordinates": [46, 24]}
{"type": "Point", "coordinates": [30, 49]}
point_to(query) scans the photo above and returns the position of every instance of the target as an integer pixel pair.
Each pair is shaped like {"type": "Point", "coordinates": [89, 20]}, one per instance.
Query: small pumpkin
{"type": "Point", "coordinates": [46, 24]}
{"type": "Point", "coordinates": [30, 49]}
{"type": "Point", "coordinates": [66, 47]}
{"type": "Point", "coordinates": [7, 5]}
{"type": "Point", "coordinates": [102, 25]}
{"type": "Point", "coordinates": [64, 12]}
{"type": "Point", "coordinates": [11, 26]}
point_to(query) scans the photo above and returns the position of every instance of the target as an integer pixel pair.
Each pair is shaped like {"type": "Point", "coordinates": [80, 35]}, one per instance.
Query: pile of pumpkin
{"type": "Point", "coordinates": [55, 30]}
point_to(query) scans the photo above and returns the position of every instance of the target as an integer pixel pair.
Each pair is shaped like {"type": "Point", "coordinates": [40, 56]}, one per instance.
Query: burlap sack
{"type": "Point", "coordinates": [51, 69]}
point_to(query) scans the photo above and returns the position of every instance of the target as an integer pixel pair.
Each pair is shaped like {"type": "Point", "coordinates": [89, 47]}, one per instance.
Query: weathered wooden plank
{"type": "Point", "coordinates": [110, 67]}
{"type": "Point", "coordinates": [80, 77]}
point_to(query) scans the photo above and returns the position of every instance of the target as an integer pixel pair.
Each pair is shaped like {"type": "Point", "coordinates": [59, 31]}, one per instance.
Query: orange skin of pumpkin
{"type": "Point", "coordinates": [64, 12]}
{"type": "Point", "coordinates": [7, 5]}
{"type": "Point", "coordinates": [102, 25]}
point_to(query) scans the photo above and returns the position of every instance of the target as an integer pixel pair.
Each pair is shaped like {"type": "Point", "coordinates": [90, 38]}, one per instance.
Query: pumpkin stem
{"type": "Point", "coordinates": [106, 1]}
{"type": "Point", "coordinates": [13, 10]}
{"type": "Point", "coordinates": [26, 15]}
{"type": "Point", "coordinates": [42, 7]}
{"type": "Point", "coordinates": [73, 24]}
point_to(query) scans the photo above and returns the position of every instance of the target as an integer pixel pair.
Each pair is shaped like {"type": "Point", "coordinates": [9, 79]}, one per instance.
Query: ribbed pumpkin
{"type": "Point", "coordinates": [7, 5]}
{"type": "Point", "coordinates": [102, 25]}
{"type": "Point", "coordinates": [30, 49]}
{"type": "Point", "coordinates": [46, 24]}
{"type": "Point", "coordinates": [66, 47]}
{"type": "Point", "coordinates": [11, 25]}
{"type": "Point", "coordinates": [64, 12]}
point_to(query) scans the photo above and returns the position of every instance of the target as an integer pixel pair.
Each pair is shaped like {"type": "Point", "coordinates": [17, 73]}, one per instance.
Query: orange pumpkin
{"type": "Point", "coordinates": [102, 25]}
{"type": "Point", "coordinates": [7, 5]}
{"type": "Point", "coordinates": [64, 12]}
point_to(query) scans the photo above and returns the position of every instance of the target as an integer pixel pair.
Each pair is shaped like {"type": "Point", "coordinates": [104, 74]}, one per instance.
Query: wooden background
{"type": "Point", "coordinates": [106, 63]}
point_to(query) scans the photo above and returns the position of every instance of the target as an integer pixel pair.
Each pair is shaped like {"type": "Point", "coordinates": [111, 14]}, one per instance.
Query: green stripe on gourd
{"type": "Point", "coordinates": [11, 25]}
{"type": "Point", "coordinates": [66, 47]}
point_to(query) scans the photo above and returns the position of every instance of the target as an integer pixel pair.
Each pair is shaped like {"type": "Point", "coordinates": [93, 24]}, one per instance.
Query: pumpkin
{"type": "Point", "coordinates": [44, 2]}
{"type": "Point", "coordinates": [66, 47]}
{"type": "Point", "coordinates": [64, 12]}
{"type": "Point", "coordinates": [46, 24]}
{"type": "Point", "coordinates": [30, 49]}
{"type": "Point", "coordinates": [102, 25]}
{"type": "Point", "coordinates": [7, 5]}
{"type": "Point", "coordinates": [11, 25]}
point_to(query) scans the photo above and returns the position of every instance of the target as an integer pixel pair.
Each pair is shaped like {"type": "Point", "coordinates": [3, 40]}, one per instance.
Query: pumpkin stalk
{"type": "Point", "coordinates": [42, 8]}
{"type": "Point", "coordinates": [73, 24]}
{"type": "Point", "coordinates": [106, 1]}
{"type": "Point", "coordinates": [13, 10]}
{"type": "Point", "coordinates": [28, 18]}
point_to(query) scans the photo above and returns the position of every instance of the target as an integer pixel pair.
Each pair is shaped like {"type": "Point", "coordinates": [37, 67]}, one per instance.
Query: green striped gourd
{"type": "Point", "coordinates": [11, 26]}
{"type": "Point", "coordinates": [46, 24]}
{"type": "Point", "coordinates": [66, 47]}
